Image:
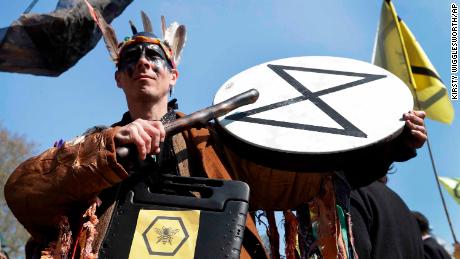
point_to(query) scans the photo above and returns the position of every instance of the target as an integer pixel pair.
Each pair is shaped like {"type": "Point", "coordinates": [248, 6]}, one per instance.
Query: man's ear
{"type": "Point", "coordinates": [118, 78]}
{"type": "Point", "coordinates": [174, 75]}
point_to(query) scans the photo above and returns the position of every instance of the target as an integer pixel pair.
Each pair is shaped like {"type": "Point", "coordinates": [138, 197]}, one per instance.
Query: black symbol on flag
{"type": "Point", "coordinates": [457, 190]}
{"type": "Point", "coordinates": [347, 127]}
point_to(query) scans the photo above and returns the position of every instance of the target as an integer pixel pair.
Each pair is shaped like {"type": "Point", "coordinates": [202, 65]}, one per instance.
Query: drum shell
{"type": "Point", "coordinates": [274, 185]}
{"type": "Point", "coordinates": [280, 181]}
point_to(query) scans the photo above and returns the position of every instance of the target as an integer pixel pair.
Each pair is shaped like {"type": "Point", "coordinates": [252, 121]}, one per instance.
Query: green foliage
{"type": "Point", "coordinates": [14, 149]}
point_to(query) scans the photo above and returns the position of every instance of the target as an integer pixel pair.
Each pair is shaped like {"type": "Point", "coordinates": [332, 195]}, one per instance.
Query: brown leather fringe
{"type": "Point", "coordinates": [59, 249]}
{"type": "Point", "coordinates": [273, 236]}
{"type": "Point", "coordinates": [341, 246]}
{"type": "Point", "coordinates": [290, 227]}
{"type": "Point", "coordinates": [350, 236]}
{"type": "Point", "coordinates": [89, 232]}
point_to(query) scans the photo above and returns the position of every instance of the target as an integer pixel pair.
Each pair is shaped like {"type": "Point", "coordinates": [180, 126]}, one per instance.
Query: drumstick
{"type": "Point", "coordinates": [201, 117]}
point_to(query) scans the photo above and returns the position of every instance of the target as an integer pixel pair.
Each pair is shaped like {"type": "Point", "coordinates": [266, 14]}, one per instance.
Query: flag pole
{"type": "Point", "coordinates": [439, 189]}
{"type": "Point", "coordinates": [412, 81]}
{"type": "Point", "coordinates": [29, 8]}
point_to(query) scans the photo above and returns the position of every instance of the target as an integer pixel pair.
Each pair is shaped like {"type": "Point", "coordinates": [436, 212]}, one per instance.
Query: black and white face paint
{"type": "Point", "coordinates": [152, 53]}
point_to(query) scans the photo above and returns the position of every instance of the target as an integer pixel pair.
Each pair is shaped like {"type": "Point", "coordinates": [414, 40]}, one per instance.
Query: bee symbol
{"type": "Point", "coordinates": [165, 234]}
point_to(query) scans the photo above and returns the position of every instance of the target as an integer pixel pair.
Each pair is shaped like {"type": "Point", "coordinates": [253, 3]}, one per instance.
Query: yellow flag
{"type": "Point", "coordinates": [452, 185]}
{"type": "Point", "coordinates": [397, 50]}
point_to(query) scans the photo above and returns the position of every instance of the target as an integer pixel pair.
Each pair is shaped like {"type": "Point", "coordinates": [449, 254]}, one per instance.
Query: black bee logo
{"type": "Point", "coordinates": [166, 234]}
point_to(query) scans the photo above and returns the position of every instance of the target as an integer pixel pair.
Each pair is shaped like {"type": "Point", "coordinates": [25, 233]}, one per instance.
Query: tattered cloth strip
{"type": "Point", "coordinates": [329, 236]}
{"type": "Point", "coordinates": [60, 249]}
{"type": "Point", "coordinates": [291, 228]}
{"type": "Point", "coordinates": [273, 236]}
{"type": "Point", "coordinates": [306, 241]}
{"type": "Point", "coordinates": [89, 232]}
{"type": "Point", "coordinates": [320, 229]}
{"type": "Point", "coordinates": [344, 231]}
{"type": "Point", "coordinates": [351, 239]}
{"type": "Point", "coordinates": [342, 247]}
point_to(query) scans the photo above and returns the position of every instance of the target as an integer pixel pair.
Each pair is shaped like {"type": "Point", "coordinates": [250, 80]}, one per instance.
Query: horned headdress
{"type": "Point", "coordinates": [172, 41]}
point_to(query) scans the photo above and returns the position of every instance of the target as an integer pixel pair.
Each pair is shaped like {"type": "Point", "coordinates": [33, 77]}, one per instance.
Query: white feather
{"type": "Point", "coordinates": [170, 32]}
{"type": "Point", "coordinates": [180, 39]}
{"type": "Point", "coordinates": [176, 39]}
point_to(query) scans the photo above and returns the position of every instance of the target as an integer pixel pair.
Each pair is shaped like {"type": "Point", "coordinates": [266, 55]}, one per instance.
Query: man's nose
{"type": "Point", "coordinates": [144, 63]}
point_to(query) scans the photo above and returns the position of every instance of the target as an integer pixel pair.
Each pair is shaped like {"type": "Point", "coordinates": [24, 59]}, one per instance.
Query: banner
{"type": "Point", "coordinates": [452, 185]}
{"type": "Point", "coordinates": [397, 51]}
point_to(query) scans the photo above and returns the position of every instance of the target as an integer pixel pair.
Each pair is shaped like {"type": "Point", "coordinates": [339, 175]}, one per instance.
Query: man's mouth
{"type": "Point", "coordinates": [145, 76]}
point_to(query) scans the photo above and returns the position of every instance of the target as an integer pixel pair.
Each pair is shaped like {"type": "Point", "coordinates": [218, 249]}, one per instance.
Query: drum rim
{"type": "Point", "coordinates": [298, 162]}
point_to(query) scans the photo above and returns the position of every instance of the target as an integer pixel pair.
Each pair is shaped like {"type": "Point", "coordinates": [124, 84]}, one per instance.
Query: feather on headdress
{"type": "Point", "coordinates": [172, 41]}
{"type": "Point", "coordinates": [175, 36]}
{"type": "Point", "coordinates": [110, 38]}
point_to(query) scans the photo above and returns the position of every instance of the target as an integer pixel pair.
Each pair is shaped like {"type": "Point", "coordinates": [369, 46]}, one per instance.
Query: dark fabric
{"type": "Point", "coordinates": [433, 250]}
{"type": "Point", "coordinates": [49, 44]}
{"type": "Point", "coordinates": [366, 165]}
{"type": "Point", "coordinates": [382, 224]}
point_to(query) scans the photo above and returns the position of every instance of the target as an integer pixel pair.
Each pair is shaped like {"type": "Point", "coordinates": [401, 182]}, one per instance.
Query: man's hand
{"type": "Point", "coordinates": [146, 135]}
{"type": "Point", "coordinates": [415, 122]}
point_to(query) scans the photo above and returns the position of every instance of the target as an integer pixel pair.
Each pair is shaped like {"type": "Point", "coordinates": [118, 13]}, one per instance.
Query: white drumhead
{"type": "Point", "coordinates": [315, 105]}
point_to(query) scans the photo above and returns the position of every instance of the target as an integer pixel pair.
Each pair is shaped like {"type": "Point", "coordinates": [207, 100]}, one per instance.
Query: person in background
{"type": "Point", "coordinates": [457, 250]}
{"type": "Point", "coordinates": [433, 250]}
{"type": "Point", "coordinates": [382, 224]}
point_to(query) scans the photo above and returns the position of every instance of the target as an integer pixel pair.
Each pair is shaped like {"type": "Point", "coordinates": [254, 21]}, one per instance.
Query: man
{"type": "Point", "coordinates": [433, 250]}
{"type": "Point", "coordinates": [68, 177]}
{"type": "Point", "coordinates": [71, 177]}
{"type": "Point", "coordinates": [457, 250]}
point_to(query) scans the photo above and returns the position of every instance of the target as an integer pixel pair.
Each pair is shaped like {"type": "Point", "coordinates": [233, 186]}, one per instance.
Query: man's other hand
{"type": "Point", "coordinates": [415, 122]}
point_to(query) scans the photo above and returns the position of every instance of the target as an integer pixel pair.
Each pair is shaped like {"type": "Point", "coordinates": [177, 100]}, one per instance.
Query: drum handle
{"type": "Point", "coordinates": [200, 118]}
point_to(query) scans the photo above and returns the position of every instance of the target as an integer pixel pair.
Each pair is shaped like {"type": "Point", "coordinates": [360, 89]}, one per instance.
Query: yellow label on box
{"type": "Point", "coordinates": [165, 234]}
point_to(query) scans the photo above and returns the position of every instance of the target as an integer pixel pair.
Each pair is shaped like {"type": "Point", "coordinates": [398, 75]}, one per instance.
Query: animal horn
{"type": "Point", "coordinates": [146, 22]}
{"type": "Point", "coordinates": [163, 26]}
{"type": "Point", "coordinates": [133, 28]}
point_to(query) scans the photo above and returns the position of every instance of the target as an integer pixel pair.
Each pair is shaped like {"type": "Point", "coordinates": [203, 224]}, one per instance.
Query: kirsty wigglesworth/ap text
{"type": "Point", "coordinates": [454, 51]}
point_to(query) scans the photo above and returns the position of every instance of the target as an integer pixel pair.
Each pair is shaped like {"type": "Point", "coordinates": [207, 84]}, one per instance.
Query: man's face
{"type": "Point", "coordinates": [144, 74]}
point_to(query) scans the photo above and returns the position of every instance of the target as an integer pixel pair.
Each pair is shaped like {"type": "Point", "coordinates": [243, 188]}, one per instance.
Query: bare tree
{"type": "Point", "coordinates": [13, 150]}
